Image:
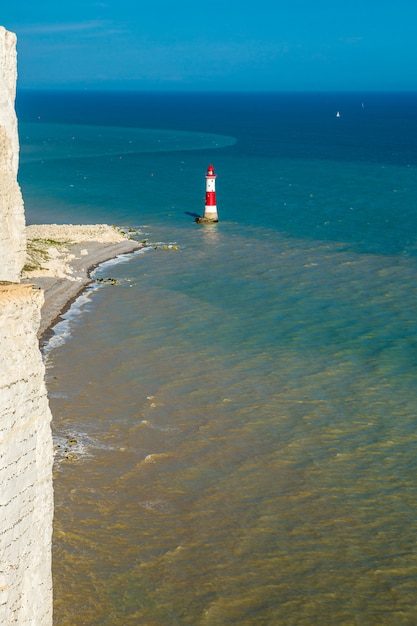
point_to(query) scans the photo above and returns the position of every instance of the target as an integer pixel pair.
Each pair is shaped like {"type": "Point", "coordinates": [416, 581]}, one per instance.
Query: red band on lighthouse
{"type": "Point", "coordinates": [210, 209]}
{"type": "Point", "coordinates": [210, 198]}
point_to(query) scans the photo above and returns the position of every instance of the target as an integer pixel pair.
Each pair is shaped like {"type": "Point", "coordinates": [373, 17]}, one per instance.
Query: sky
{"type": "Point", "coordinates": [217, 45]}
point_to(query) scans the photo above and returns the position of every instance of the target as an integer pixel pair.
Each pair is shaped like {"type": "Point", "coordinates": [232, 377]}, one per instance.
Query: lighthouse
{"type": "Point", "coordinates": [210, 209]}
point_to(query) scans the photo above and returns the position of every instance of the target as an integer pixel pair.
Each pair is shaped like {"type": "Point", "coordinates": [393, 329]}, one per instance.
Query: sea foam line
{"type": "Point", "coordinates": [62, 330]}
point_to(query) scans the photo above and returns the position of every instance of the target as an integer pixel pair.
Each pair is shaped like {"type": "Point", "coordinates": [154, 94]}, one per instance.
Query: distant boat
{"type": "Point", "coordinates": [338, 114]}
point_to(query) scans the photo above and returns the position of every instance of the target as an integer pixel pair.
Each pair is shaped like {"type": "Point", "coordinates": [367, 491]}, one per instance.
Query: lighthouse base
{"type": "Point", "coordinates": [206, 220]}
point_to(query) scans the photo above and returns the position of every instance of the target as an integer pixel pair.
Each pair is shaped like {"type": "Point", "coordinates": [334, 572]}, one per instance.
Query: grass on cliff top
{"type": "Point", "coordinates": [37, 252]}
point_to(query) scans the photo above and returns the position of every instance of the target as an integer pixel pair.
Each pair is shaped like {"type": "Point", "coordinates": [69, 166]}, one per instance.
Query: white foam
{"type": "Point", "coordinates": [121, 258]}
{"type": "Point", "coordinates": [62, 331]}
{"type": "Point", "coordinates": [76, 445]}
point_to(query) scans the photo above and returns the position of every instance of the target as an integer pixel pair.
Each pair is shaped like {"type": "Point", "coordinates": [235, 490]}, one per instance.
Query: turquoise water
{"type": "Point", "coordinates": [235, 420]}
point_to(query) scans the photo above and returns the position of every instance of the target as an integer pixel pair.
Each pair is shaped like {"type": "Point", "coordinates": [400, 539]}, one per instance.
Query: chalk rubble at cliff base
{"type": "Point", "coordinates": [60, 257]}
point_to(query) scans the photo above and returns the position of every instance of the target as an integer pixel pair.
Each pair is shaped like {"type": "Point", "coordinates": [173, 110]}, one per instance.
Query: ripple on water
{"type": "Point", "coordinates": [294, 501]}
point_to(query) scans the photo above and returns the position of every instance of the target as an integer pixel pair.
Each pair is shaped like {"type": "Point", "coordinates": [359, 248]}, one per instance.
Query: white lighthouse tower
{"type": "Point", "coordinates": [210, 209]}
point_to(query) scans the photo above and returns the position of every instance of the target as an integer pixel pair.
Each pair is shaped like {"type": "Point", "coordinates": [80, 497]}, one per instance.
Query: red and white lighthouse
{"type": "Point", "coordinates": [210, 210]}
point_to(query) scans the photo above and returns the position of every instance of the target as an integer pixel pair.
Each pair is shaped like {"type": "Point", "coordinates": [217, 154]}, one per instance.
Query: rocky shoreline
{"type": "Point", "coordinates": [60, 258]}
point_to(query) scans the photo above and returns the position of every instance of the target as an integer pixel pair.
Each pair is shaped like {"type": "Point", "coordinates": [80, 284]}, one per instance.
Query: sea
{"type": "Point", "coordinates": [235, 410]}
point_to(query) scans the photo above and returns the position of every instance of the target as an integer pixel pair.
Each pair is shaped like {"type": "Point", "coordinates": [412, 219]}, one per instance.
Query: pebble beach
{"type": "Point", "coordinates": [60, 258]}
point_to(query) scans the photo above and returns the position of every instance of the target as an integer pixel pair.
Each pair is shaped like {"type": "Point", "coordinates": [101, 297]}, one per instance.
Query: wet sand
{"type": "Point", "coordinates": [61, 258]}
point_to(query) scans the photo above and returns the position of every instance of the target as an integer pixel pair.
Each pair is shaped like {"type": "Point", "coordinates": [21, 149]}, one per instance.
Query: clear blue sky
{"type": "Point", "coordinates": [222, 44]}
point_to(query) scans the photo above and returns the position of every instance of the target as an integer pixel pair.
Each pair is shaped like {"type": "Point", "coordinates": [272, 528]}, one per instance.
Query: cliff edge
{"type": "Point", "coordinates": [12, 217]}
{"type": "Point", "coordinates": [26, 451]}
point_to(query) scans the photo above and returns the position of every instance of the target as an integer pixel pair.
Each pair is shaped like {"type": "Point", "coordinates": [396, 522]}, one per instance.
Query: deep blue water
{"type": "Point", "coordinates": [295, 166]}
{"type": "Point", "coordinates": [244, 406]}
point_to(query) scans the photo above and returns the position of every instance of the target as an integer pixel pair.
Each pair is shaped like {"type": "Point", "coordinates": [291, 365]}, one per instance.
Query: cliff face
{"type": "Point", "coordinates": [26, 497]}
{"type": "Point", "coordinates": [25, 463]}
{"type": "Point", "coordinates": [12, 219]}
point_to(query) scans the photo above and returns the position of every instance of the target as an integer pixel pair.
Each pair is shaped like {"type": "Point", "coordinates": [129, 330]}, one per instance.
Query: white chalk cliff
{"type": "Point", "coordinates": [12, 218]}
{"type": "Point", "coordinates": [26, 496]}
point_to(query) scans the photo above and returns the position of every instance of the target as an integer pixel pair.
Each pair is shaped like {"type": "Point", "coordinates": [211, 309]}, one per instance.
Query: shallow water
{"type": "Point", "coordinates": [237, 463]}
{"type": "Point", "coordinates": [235, 419]}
